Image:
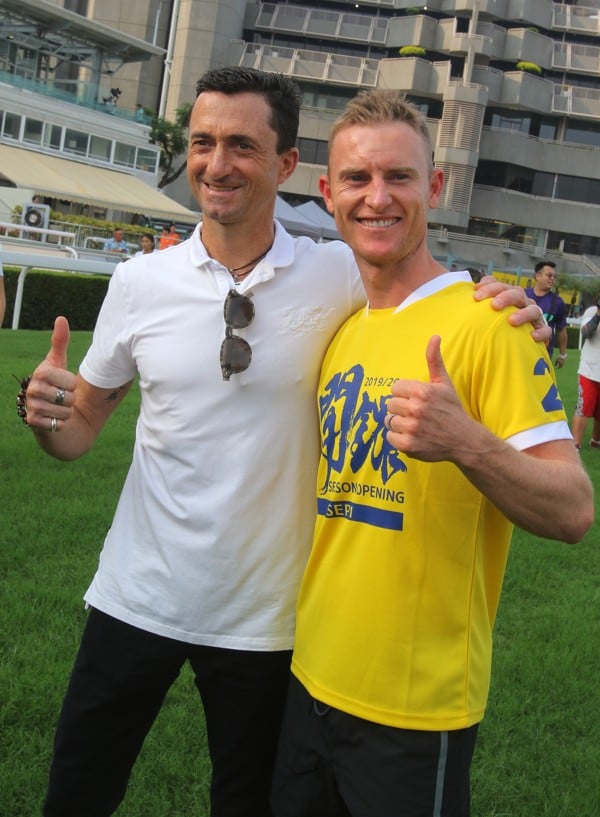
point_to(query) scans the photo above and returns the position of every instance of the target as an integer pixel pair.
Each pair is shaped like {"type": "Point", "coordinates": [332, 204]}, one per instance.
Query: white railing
{"type": "Point", "coordinates": [27, 259]}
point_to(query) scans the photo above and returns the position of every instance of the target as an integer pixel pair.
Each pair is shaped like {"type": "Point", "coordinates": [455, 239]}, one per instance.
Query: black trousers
{"type": "Point", "coordinates": [119, 681]}
{"type": "Point", "coordinates": [332, 764]}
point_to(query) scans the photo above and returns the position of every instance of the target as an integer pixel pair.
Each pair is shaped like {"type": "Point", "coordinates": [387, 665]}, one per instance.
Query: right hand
{"type": "Point", "coordinates": [48, 382]}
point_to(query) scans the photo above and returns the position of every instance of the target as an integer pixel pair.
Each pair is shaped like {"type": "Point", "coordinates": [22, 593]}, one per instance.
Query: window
{"type": "Point", "coordinates": [52, 136]}
{"type": "Point", "coordinates": [33, 131]}
{"type": "Point", "coordinates": [312, 151]}
{"type": "Point", "coordinates": [76, 142]}
{"type": "Point", "coordinates": [12, 126]}
{"type": "Point", "coordinates": [124, 154]}
{"type": "Point", "coordinates": [146, 160]}
{"type": "Point", "coordinates": [100, 148]}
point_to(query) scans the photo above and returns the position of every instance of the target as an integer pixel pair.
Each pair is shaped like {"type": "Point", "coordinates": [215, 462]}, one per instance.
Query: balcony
{"type": "Point", "coordinates": [318, 23]}
{"type": "Point", "coordinates": [576, 19]}
{"type": "Point", "coordinates": [523, 44]}
{"type": "Point", "coordinates": [523, 90]}
{"type": "Point", "coordinates": [571, 100]}
{"type": "Point", "coordinates": [310, 65]}
{"type": "Point", "coordinates": [580, 59]}
{"type": "Point", "coordinates": [501, 204]}
{"type": "Point", "coordinates": [82, 94]}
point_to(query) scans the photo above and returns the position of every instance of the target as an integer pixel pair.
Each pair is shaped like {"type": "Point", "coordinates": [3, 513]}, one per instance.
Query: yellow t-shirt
{"type": "Point", "coordinates": [399, 597]}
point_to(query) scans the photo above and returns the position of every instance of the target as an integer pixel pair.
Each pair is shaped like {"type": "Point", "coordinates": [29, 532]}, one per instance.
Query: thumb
{"type": "Point", "coordinates": [57, 356]}
{"type": "Point", "coordinates": [435, 362]}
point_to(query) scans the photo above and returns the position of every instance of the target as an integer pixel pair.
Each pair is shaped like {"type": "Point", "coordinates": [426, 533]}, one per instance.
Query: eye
{"type": "Point", "coordinates": [200, 143]}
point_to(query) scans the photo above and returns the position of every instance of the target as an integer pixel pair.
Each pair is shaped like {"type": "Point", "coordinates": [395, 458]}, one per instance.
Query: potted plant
{"type": "Point", "coordinates": [529, 67]}
{"type": "Point", "coordinates": [412, 51]}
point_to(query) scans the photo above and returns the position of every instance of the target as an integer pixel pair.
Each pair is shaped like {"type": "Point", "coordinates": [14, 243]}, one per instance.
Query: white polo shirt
{"type": "Point", "coordinates": [214, 523]}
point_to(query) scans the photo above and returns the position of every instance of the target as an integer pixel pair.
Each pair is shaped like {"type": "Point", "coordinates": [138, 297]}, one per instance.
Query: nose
{"type": "Point", "coordinates": [377, 195]}
{"type": "Point", "coordinates": [218, 164]}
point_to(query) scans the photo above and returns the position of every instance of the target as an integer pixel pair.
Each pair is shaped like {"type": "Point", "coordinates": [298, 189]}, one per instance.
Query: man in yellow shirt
{"type": "Point", "coordinates": [392, 655]}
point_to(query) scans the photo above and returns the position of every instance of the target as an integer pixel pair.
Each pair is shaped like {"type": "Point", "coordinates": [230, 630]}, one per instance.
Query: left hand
{"type": "Point", "coordinates": [427, 420]}
{"type": "Point", "coordinates": [503, 295]}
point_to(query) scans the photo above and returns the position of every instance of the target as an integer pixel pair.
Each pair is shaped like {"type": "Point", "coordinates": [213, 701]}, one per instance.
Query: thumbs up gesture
{"type": "Point", "coordinates": [426, 420]}
{"type": "Point", "coordinates": [51, 392]}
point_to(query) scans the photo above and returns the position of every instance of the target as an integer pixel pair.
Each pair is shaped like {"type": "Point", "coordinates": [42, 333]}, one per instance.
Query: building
{"type": "Point", "coordinates": [511, 90]}
{"type": "Point", "coordinates": [66, 140]}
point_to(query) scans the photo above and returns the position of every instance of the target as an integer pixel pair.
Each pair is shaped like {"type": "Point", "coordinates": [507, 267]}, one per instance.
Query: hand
{"type": "Point", "coordinates": [504, 295]}
{"type": "Point", "coordinates": [51, 391]}
{"type": "Point", "coordinates": [560, 361]}
{"type": "Point", "coordinates": [427, 420]}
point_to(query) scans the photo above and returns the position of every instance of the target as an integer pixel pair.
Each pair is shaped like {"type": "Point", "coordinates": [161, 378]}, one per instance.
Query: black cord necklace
{"type": "Point", "coordinates": [233, 270]}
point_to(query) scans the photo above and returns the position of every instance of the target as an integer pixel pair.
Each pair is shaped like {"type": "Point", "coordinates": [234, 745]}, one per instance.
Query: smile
{"type": "Point", "coordinates": [220, 188]}
{"type": "Point", "coordinates": [378, 222]}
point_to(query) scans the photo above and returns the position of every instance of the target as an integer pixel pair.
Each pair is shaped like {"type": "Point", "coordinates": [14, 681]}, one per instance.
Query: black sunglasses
{"type": "Point", "coordinates": [236, 353]}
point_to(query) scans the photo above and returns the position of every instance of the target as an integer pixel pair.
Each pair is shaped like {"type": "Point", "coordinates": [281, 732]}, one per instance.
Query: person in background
{"type": "Point", "coordinates": [553, 307]}
{"type": "Point", "coordinates": [169, 237]}
{"type": "Point", "coordinates": [117, 243]}
{"type": "Point", "coordinates": [211, 534]}
{"type": "Point", "coordinates": [392, 652]}
{"type": "Point", "coordinates": [146, 244]}
{"type": "Point", "coordinates": [588, 398]}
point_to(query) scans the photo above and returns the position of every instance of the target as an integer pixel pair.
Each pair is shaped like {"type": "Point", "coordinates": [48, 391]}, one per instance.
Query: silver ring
{"type": "Point", "coordinates": [53, 424]}
{"type": "Point", "coordinates": [60, 397]}
{"type": "Point", "coordinates": [387, 421]}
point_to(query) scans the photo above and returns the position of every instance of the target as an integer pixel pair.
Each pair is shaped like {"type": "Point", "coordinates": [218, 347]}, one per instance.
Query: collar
{"type": "Point", "coordinates": [281, 255]}
{"type": "Point", "coordinates": [446, 279]}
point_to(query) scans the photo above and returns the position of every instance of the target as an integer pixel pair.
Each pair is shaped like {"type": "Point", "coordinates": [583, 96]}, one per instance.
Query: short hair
{"type": "Point", "coordinates": [148, 235]}
{"type": "Point", "coordinates": [541, 264]}
{"type": "Point", "coordinates": [282, 95]}
{"type": "Point", "coordinates": [381, 106]}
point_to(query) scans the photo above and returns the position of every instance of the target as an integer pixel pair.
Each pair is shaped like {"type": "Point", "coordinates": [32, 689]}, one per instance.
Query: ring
{"type": "Point", "coordinates": [60, 397]}
{"type": "Point", "coordinates": [387, 421]}
{"type": "Point", "coordinates": [53, 424]}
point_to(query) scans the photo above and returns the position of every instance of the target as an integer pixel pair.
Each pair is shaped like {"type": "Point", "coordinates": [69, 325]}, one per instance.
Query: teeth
{"type": "Point", "coordinates": [380, 222]}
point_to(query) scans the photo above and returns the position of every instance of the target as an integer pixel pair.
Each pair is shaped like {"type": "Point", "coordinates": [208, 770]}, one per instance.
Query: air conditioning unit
{"type": "Point", "coordinates": [36, 215]}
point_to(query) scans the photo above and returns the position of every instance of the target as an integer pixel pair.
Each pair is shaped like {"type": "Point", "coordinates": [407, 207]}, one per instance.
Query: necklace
{"type": "Point", "coordinates": [233, 270]}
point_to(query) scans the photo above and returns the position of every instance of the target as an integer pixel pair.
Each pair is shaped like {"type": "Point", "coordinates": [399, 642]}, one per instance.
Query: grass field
{"type": "Point", "coordinates": [538, 753]}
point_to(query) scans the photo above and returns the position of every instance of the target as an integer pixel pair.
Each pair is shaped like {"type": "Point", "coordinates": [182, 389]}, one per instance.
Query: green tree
{"type": "Point", "coordinates": [172, 139]}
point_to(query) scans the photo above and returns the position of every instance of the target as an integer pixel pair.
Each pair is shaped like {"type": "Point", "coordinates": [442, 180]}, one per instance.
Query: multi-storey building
{"type": "Point", "coordinates": [511, 90]}
{"type": "Point", "coordinates": [66, 139]}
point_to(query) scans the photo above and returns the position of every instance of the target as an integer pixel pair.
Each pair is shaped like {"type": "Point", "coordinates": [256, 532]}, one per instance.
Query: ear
{"type": "Point", "coordinates": [288, 163]}
{"type": "Point", "coordinates": [436, 183]}
{"type": "Point", "coordinates": [325, 191]}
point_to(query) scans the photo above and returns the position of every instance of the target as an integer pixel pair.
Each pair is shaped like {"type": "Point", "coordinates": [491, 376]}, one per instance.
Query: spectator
{"type": "Point", "coordinates": [553, 307]}
{"type": "Point", "coordinates": [588, 399]}
{"type": "Point", "coordinates": [169, 237]}
{"type": "Point", "coordinates": [146, 244]}
{"type": "Point", "coordinates": [117, 243]}
{"type": "Point", "coordinates": [392, 651]}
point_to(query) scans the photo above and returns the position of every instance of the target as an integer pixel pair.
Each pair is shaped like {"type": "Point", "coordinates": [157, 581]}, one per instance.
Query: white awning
{"type": "Point", "coordinates": [87, 184]}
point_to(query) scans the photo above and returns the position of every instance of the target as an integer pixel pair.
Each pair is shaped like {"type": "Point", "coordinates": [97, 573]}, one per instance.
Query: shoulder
{"type": "Point", "coordinates": [330, 252]}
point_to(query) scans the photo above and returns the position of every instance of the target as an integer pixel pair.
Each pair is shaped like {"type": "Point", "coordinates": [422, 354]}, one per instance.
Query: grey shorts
{"type": "Point", "coordinates": [331, 764]}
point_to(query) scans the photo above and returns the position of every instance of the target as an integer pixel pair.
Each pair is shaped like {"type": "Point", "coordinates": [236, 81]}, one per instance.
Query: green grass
{"type": "Point", "coordinates": [537, 754]}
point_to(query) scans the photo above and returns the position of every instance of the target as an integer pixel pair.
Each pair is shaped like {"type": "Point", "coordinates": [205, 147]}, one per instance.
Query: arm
{"type": "Point", "coordinates": [531, 488]}
{"type": "Point", "coordinates": [561, 342]}
{"type": "Point", "coordinates": [504, 295]}
{"type": "Point", "coordinates": [588, 330]}
{"type": "Point", "coordinates": [84, 408]}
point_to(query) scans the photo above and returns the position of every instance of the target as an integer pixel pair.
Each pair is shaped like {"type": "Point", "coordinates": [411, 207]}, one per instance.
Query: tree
{"type": "Point", "coordinates": [172, 139]}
